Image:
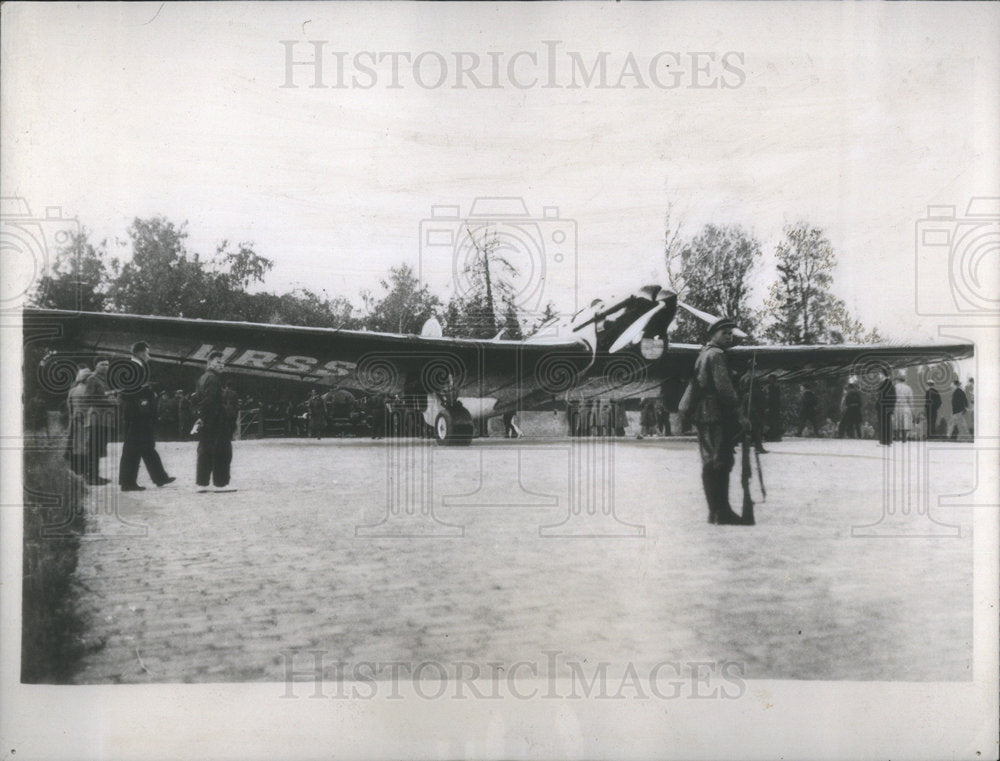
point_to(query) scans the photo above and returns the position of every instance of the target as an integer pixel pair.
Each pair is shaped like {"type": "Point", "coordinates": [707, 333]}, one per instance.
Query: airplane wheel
{"type": "Point", "coordinates": [453, 427]}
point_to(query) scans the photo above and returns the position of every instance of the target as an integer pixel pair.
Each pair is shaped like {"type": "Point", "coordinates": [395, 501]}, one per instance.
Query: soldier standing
{"type": "Point", "coordinates": [715, 406]}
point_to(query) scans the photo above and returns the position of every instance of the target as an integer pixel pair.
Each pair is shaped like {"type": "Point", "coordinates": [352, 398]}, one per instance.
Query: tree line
{"type": "Point", "coordinates": [712, 271]}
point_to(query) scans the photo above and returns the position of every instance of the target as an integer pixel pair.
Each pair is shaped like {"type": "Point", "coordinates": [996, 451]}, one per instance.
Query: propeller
{"type": "Point", "coordinates": [633, 332]}
{"type": "Point", "coordinates": [707, 317]}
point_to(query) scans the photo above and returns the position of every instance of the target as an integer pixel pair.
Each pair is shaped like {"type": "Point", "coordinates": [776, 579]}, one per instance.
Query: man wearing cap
{"type": "Point", "coordinates": [718, 414]}
{"type": "Point", "coordinates": [139, 420]}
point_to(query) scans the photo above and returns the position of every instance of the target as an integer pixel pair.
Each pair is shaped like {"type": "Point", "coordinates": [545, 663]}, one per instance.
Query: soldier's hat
{"type": "Point", "coordinates": [721, 324]}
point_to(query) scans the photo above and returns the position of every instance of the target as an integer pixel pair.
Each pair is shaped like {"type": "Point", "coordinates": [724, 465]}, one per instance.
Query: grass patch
{"type": "Point", "coordinates": [52, 641]}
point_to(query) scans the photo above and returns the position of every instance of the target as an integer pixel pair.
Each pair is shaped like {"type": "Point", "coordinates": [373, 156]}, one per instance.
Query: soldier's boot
{"type": "Point", "coordinates": [708, 483]}
{"type": "Point", "coordinates": [724, 511]}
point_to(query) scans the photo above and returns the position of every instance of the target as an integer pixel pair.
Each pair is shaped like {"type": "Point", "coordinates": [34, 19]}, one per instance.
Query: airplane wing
{"type": "Point", "coordinates": [866, 361]}
{"type": "Point", "coordinates": [614, 350]}
{"type": "Point", "coordinates": [628, 376]}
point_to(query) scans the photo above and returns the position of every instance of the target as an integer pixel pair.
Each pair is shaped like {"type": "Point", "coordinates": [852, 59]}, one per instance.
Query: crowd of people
{"type": "Point", "coordinates": [599, 417]}
{"type": "Point", "coordinates": [99, 411]}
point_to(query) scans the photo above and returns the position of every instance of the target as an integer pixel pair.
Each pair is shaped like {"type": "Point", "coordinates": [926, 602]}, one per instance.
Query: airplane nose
{"type": "Point", "coordinates": [648, 292]}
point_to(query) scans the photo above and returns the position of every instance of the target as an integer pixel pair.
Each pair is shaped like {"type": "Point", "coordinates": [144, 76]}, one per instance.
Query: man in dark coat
{"type": "Point", "coordinates": [932, 404]}
{"type": "Point", "coordinates": [139, 420]}
{"type": "Point", "coordinates": [184, 420]}
{"type": "Point", "coordinates": [850, 419]}
{"type": "Point", "coordinates": [317, 415]}
{"type": "Point", "coordinates": [166, 413]}
{"type": "Point", "coordinates": [231, 403]}
{"type": "Point", "coordinates": [647, 418]}
{"type": "Point", "coordinates": [809, 412]}
{"type": "Point", "coordinates": [718, 414]}
{"type": "Point", "coordinates": [215, 447]}
{"type": "Point", "coordinates": [775, 423]}
{"type": "Point", "coordinates": [885, 404]}
{"type": "Point", "coordinates": [958, 425]}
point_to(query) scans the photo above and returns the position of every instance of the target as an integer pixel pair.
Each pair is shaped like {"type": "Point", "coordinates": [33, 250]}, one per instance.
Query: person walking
{"type": "Point", "coordinates": [958, 424]}
{"type": "Point", "coordinates": [139, 426]}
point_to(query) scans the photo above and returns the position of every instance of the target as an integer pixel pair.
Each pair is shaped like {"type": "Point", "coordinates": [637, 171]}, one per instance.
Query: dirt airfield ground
{"type": "Point", "coordinates": [326, 547]}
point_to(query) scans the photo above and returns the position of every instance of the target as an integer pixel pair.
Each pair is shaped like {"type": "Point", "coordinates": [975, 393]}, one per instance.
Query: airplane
{"type": "Point", "coordinates": [618, 348]}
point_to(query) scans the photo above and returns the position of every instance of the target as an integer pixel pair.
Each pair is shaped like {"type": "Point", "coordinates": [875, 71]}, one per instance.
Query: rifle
{"type": "Point", "coordinates": [746, 475]}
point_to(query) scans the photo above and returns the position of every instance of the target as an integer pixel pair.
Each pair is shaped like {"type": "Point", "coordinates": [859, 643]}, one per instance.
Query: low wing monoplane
{"type": "Point", "coordinates": [615, 349]}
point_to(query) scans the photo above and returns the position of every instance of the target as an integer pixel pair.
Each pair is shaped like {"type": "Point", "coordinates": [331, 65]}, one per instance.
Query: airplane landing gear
{"type": "Point", "coordinates": [453, 426]}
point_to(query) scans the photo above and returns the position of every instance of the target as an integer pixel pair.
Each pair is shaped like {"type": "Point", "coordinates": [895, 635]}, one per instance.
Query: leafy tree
{"type": "Point", "coordinates": [405, 306]}
{"type": "Point", "coordinates": [78, 278]}
{"type": "Point", "coordinates": [802, 307]}
{"type": "Point", "coordinates": [846, 329]}
{"type": "Point", "coordinates": [163, 277]}
{"type": "Point", "coordinates": [303, 307]}
{"type": "Point", "coordinates": [713, 273]}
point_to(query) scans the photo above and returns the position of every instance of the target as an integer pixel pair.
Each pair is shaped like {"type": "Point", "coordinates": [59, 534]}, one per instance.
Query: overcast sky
{"type": "Point", "coordinates": [853, 117]}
